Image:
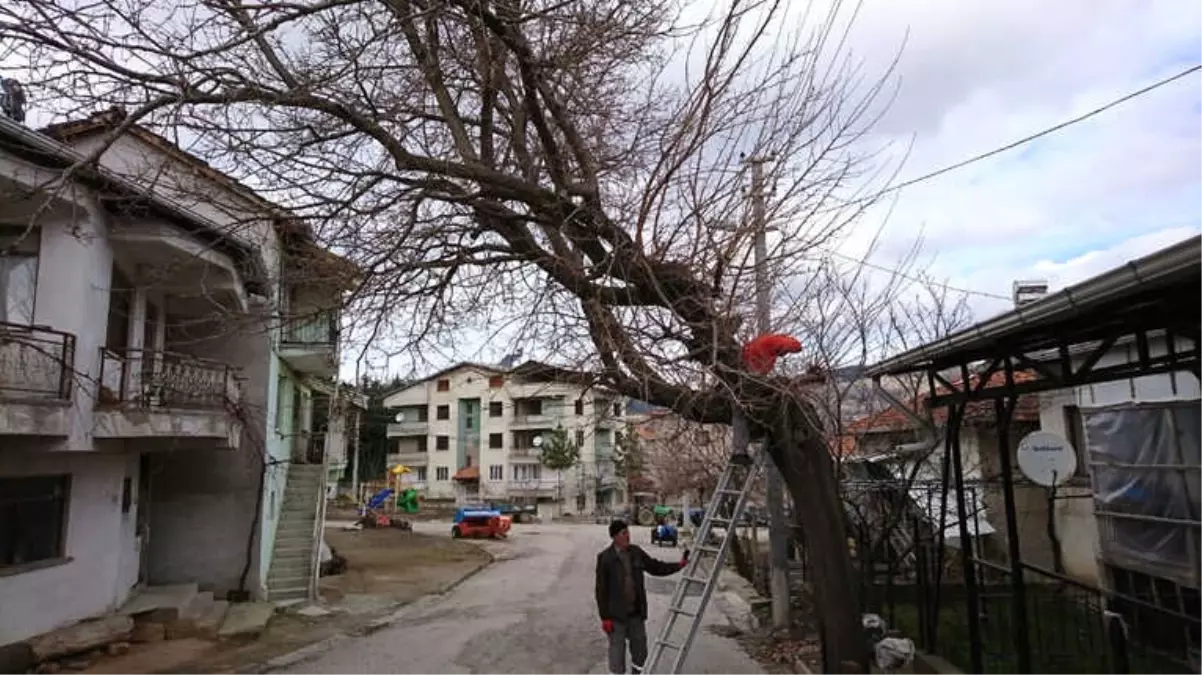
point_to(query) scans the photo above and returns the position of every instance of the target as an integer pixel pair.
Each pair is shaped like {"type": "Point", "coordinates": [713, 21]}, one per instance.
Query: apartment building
{"type": "Point", "coordinates": [155, 349]}
{"type": "Point", "coordinates": [473, 433]}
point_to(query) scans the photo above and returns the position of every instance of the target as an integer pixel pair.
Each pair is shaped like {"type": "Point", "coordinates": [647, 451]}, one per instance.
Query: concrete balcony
{"type": "Point", "coordinates": [525, 454]}
{"type": "Point", "coordinates": [175, 399]}
{"type": "Point", "coordinates": [408, 429]}
{"type": "Point", "coordinates": [310, 344]}
{"type": "Point", "coordinates": [409, 458]}
{"type": "Point", "coordinates": [534, 487]}
{"type": "Point", "coordinates": [37, 370]}
{"type": "Point", "coordinates": [543, 420]}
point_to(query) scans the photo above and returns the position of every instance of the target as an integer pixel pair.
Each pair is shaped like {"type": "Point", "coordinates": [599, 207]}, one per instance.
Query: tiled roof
{"type": "Point", "coordinates": [467, 473]}
{"type": "Point", "coordinates": [976, 412]}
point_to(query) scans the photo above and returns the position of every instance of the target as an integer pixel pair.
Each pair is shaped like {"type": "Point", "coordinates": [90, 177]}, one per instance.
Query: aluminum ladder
{"type": "Point", "coordinates": [705, 564]}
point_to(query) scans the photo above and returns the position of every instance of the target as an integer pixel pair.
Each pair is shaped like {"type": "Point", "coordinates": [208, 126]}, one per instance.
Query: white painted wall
{"type": "Point", "coordinates": [97, 535]}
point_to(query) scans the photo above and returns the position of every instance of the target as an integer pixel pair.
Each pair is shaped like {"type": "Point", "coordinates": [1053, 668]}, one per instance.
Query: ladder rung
{"type": "Point", "coordinates": [708, 549]}
{"type": "Point", "coordinates": [669, 645]}
{"type": "Point", "coordinates": [730, 492]}
{"type": "Point", "coordinates": [696, 580]}
{"type": "Point", "coordinates": [685, 612]}
{"type": "Point", "coordinates": [719, 521]}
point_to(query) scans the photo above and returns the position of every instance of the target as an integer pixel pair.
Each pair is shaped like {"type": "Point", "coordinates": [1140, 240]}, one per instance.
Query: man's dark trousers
{"type": "Point", "coordinates": [634, 630]}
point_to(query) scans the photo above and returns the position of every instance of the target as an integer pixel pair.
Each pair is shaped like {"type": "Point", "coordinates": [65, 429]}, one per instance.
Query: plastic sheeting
{"type": "Point", "coordinates": [1144, 463]}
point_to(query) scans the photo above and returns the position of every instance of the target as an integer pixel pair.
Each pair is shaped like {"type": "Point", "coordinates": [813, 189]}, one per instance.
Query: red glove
{"type": "Point", "coordinates": [607, 625]}
{"type": "Point", "coordinates": [684, 559]}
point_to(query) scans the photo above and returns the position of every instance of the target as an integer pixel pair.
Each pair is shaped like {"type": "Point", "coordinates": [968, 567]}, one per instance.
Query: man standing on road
{"type": "Point", "coordinates": [622, 598]}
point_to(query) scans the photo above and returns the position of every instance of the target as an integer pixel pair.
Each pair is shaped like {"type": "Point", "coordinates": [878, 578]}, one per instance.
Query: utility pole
{"type": "Point", "coordinates": [777, 526]}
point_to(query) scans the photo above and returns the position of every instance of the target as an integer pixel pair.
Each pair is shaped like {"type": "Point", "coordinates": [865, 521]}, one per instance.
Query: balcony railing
{"type": "Point", "coordinates": [35, 362]}
{"type": "Point", "coordinates": [309, 445]}
{"type": "Point", "coordinates": [316, 329]}
{"type": "Point", "coordinates": [414, 428]}
{"type": "Point", "coordinates": [532, 453]}
{"type": "Point", "coordinates": [155, 379]}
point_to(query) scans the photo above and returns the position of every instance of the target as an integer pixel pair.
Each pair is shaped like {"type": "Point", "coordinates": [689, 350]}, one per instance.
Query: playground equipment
{"type": "Point", "coordinates": [408, 500]}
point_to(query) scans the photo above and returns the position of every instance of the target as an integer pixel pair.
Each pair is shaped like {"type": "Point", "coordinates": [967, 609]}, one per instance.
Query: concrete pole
{"type": "Point", "coordinates": [777, 526]}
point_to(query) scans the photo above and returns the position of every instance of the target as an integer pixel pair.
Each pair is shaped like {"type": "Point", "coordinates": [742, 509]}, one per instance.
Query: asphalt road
{"type": "Point", "coordinates": [532, 611]}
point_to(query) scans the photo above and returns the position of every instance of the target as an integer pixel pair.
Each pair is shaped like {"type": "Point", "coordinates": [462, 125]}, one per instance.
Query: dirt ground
{"type": "Point", "coordinates": [385, 568]}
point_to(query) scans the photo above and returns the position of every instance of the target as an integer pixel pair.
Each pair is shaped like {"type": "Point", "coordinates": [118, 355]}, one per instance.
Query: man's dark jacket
{"type": "Point", "coordinates": [610, 603]}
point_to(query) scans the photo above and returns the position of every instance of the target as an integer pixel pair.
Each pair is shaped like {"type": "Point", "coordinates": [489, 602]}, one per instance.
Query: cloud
{"type": "Point", "coordinates": [976, 76]}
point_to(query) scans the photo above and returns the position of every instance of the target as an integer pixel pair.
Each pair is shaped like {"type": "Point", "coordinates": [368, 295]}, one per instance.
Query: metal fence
{"type": "Point", "coordinates": [158, 379]}
{"type": "Point", "coordinates": [35, 362]}
{"type": "Point", "coordinates": [912, 573]}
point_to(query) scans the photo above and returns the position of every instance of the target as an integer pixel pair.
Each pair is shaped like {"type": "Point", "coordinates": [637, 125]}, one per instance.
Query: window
{"type": "Point", "coordinates": [442, 473]}
{"type": "Point", "coordinates": [33, 519]}
{"type": "Point", "coordinates": [1144, 462]}
{"type": "Point", "coordinates": [581, 502]}
{"type": "Point", "coordinates": [423, 444]}
{"type": "Point", "coordinates": [281, 403]}
{"type": "Point", "coordinates": [527, 472]}
{"type": "Point", "coordinates": [496, 409]}
{"type": "Point", "coordinates": [444, 385]}
{"type": "Point", "coordinates": [579, 406]}
{"type": "Point", "coordinates": [534, 406]}
{"type": "Point", "coordinates": [617, 410]}
{"type": "Point", "coordinates": [496, 472]}
{"type": "Point", "coordinates": [443, 412]}
{"type": "Point", "coordinates": [18, 273]}
{"type": "Point", "coordinates": [421, 474]}
{"type": "Point", "coordinates": [423, 414]}
{"type": "Point", "coordinates": [496, 382]}
{"type": "Point", "coordinates": [496, 440]}
{"type": "Point", "coordinates": [579, 438]}
{"type": "Point", "coordinates": [442, 442]}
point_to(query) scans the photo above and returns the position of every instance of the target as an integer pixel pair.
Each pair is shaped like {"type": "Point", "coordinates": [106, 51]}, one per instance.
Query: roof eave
{"type": "Point", "coordinates": [1134, 274]}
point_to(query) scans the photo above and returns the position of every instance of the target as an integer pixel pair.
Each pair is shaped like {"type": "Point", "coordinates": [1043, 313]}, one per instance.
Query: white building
{"type": "Point", "coordinates": [153, 349]}
{"type": "Point", "coordinates": [472, 433]}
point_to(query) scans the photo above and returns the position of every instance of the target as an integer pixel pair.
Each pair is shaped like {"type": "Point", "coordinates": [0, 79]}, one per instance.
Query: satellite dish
{"type": "Point", "coordinates": [1046, 459]}
{"type": "Point", "coordinates": [400, 417]}
{"type": "Point", "coordinates": [537, 441]}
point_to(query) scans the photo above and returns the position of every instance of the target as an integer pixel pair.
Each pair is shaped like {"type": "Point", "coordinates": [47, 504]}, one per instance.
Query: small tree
{"type": "Point", "coordinates": [559, 454]}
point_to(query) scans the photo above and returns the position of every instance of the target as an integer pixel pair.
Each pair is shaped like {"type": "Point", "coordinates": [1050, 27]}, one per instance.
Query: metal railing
{"type": "Point", "coordinates": [315, 329]}
{"type": "Point", "coordinates": [157, 379]}
{"type": "Point", "coordinates": [36, 362]}
{"type": "Point", "coordinates": [309, 446]}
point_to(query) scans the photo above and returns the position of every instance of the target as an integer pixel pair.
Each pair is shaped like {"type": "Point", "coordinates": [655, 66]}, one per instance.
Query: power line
{"type": "Point", "coordinates": [997, 151]}
{"type": "Point", "coordinates": [1050, 130]}
{"type": "Point", "coordinates": [911, 277]}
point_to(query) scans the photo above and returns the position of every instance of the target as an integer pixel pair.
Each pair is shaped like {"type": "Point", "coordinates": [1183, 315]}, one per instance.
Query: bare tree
{"type": "Point", "coordinates": [552, 171]}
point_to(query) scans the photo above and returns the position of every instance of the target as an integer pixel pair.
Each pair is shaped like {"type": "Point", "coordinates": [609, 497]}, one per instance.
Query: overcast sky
{"type": "Point", "coordinates": [977, 75]}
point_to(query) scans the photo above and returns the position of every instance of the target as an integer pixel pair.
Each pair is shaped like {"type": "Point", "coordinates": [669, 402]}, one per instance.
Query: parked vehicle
{"type": "Point", "coordinates": [664, 534]}
{"type": "Point", "coordinates": [480, 524]}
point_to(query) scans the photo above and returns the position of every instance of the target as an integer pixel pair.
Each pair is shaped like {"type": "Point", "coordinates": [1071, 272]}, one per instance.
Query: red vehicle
{"type": "Point", "coordinates": [488, 525]}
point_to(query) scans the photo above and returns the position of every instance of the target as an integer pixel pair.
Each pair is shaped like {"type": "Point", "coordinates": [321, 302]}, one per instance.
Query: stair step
{"type": "Point", "coordinates": [164, 602]}
{"type": "Point", "coordinates": [208, 624]}
{"type": "Point", "coordinates": [199, 605]}
{"type": "Point", "coordinates": [246, 619]}
{"type": "Point", "coordinates": [281, 594]}
{"type": "Point", "coordinates": [289, 580]}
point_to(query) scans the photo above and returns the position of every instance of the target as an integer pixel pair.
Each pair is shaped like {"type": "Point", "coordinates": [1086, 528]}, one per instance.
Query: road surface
{"type": "Point", "coordinates": [532, 611]}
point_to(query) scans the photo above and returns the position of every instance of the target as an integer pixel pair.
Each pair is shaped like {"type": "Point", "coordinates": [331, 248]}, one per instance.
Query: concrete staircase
{"type": "Point", "coordinates": [292, 559]}
{"type": "Point", "coordinates": [183, 611]}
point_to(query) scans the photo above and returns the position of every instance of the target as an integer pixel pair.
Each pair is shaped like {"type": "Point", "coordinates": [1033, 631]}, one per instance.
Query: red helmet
{"type": "Point", "coordinates": [760, 354]}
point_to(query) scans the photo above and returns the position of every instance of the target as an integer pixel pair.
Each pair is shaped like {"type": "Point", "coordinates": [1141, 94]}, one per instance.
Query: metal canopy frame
{"type": "Point", "coordinates": [1058, 342]}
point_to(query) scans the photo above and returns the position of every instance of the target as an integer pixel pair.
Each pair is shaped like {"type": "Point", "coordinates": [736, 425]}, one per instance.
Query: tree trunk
{"type": "Point", "coordinates": [802, 454]}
